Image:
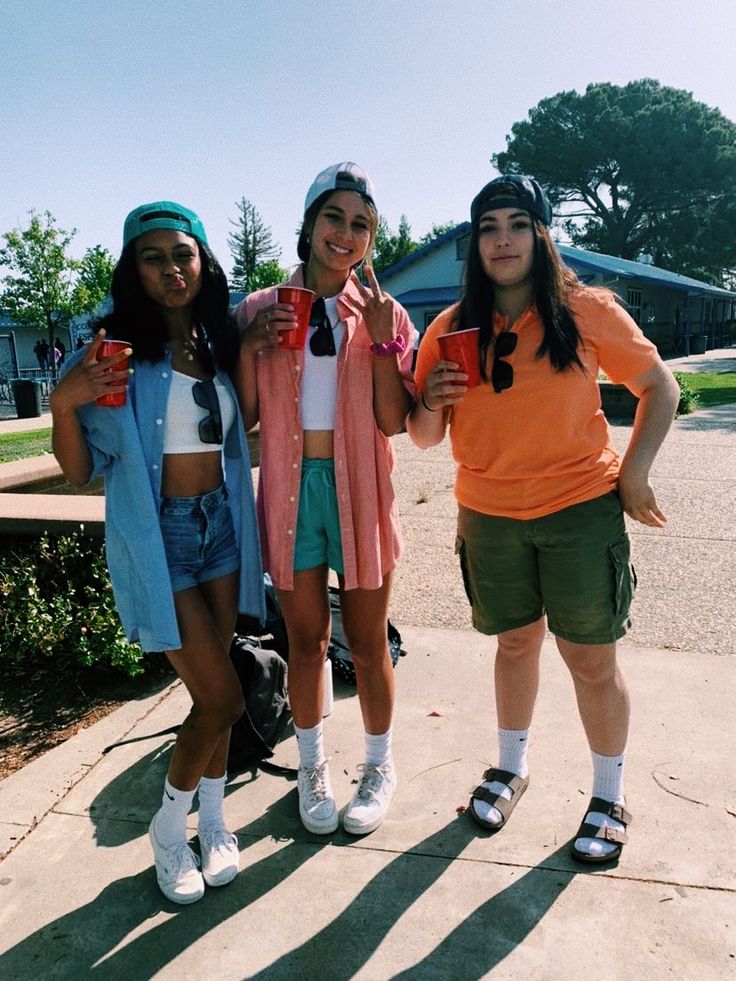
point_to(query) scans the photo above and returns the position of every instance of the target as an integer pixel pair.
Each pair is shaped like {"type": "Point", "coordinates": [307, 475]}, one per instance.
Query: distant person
{"type": "Point", "coordinates": [59, 351]}
{"type": "Point", "coordinates": [181, 536]}
{"type": "Point", "coordinates": [325, 498]}
{"type": "Point", "coordinates": [41, 350]}
{"type": "Point", "coordinates": [541, 489]}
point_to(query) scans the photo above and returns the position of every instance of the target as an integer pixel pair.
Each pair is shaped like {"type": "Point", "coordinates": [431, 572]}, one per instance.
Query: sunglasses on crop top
{"type": "Point", "coordinates": [502, 373]}
{"type": "Point", "coordinates": [210, 428]}
{"type": "Point", "coordinates": [322, 341]}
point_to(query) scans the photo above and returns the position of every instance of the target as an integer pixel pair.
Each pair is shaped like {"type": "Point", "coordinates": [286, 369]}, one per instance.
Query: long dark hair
{"type": "Point", "coordinates": [554, 283]}
{"type": "Point", "coordinates": [137, 319]}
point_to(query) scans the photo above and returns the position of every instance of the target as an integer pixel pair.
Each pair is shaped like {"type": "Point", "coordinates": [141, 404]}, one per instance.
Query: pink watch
{"type": "Point", "coordinates": [388, 348]}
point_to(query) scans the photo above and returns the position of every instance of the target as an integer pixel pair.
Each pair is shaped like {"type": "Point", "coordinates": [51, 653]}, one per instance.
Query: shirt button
{"type": "Point", "coordinates": [164, 374]}
{"type": "Point", "coordinates": [155, 466]}
{"type": "Point", "coordinates": [294, 466]}
{"type": "Point", "coordinates": [296, 435]}
{"type": "Point", "coordinates": [159, 422]}
{"type": "Point", "coordinates": [289, 531]}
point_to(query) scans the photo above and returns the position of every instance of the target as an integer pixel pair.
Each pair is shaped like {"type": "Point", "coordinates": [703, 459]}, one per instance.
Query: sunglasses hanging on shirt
{"type": "Point", "coordinates": [205, 395]}
{"type": "Point", "coordinates": [502, 373]}
{"type": "Point", "coordinates": [322, 341]}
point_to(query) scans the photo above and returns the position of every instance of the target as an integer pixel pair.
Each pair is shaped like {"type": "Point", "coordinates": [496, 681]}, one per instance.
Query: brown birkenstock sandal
{"type": "Point", "coordinates": [587, 830]}
{"type": "Point", "coordinates": [516, 784]}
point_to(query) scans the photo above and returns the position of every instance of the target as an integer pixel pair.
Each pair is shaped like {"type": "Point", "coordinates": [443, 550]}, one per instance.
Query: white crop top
{"type": "Point", "coordinates": [319, 384]}
{"type": "Point", "coordinates": [183, 416]}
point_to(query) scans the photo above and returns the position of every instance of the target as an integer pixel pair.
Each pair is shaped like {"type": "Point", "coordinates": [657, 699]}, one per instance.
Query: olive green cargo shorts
{"type": "Point", "coordinates": [573, 565]}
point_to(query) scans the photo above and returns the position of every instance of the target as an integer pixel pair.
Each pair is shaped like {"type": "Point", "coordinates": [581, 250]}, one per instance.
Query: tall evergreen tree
{"type": "Point", "coordinates": [250, 245]}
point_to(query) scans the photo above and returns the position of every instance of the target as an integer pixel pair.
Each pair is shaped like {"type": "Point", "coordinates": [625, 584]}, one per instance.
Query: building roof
{"type": "Point", "coordinates": [437, 295]}
{"type": "Point", "coordinates": [609, 266]}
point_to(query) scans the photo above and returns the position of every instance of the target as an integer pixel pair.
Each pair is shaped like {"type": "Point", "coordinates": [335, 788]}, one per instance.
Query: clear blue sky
{"type": "Point", "coordinates": [107, 104]}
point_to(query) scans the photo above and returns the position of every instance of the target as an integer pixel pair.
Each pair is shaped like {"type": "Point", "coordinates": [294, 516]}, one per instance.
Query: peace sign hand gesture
{"type": "Point", "coordinates": [377, 309]}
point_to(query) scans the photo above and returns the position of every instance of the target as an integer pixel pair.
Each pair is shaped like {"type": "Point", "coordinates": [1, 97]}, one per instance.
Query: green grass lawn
{"type": "Point", "coordinates": [20, 446]}
{"type": "Point", "coordinates": [713, 388]}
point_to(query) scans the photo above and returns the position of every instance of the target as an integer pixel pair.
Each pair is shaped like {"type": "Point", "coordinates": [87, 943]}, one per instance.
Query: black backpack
{"type": "Point", "coordinates": [338, 650]}
{"type": "Point", "coordinates": [262, 675]}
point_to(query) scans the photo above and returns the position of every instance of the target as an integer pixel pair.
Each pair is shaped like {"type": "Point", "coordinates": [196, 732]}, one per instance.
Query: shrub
{"type": "Point", "coordinates": [56, 603]}
{"type": "Point", "coordinates": [689, 398]}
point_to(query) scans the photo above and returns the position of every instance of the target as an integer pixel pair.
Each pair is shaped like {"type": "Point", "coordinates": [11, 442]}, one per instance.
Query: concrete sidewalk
{"type": "Point", "coordinates": [428, 895]}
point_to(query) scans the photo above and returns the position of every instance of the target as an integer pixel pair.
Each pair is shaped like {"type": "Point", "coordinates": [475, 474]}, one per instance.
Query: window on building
{"type": "Point", "coordinates": [461, 248]}
{"type": "Point", "coordinates": [633, 301]}
{"type": "Point", "coordinates": [429, 316]}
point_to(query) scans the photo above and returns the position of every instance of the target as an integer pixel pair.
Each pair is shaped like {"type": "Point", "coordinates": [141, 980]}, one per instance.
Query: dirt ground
{"type": "Point", "coordinates": [38, 711]}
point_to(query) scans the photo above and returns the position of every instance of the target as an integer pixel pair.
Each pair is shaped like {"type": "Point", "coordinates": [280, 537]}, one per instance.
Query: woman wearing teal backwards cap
{"type": "Point", "coordinates": [180, 528]}
{"type": "Point", "coordinates": [325, 495]}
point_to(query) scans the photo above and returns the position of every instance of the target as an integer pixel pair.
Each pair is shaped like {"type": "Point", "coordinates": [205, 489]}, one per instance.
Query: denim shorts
{"type": "Point", "coordinates": [573, 565]}
{"type": "Point", "coordinates": [318, 539]}
{"type": "Point", "coordinates": [199, 538]}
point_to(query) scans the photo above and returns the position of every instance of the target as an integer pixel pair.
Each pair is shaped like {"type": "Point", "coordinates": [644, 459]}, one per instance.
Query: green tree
{"type": "Point", "coordinates": [93, 280]}
{"type": "Point", "coordinates": [268, 273]}
{"type": "Point", "coordinates": [436, 230]}
{"type": "Point", "coordinates": [639, 168]}
{"type": "Point", "coordinates": [389, 248]}
{"type": "Point", "coordinates": [250, 245]}
{"type": "Point", "coordinates": [37, 291]}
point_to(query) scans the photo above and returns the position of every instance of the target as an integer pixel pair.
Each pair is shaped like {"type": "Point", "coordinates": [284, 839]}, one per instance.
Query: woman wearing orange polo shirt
{"type": "Point", "coordinates": [541, 489]}
{"type": "Point", "coordinates": [325, 499]}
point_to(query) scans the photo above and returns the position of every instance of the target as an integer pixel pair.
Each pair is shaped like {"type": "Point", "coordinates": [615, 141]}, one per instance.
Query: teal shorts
{"type": "Point", "coordinates": [573, 565]}
{"type": "Point", "coordinates": [318, 539]}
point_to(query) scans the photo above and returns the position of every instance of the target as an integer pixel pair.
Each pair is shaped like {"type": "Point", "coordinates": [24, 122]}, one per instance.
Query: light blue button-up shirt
{"type": "Point", "coordinates": [126, 444]}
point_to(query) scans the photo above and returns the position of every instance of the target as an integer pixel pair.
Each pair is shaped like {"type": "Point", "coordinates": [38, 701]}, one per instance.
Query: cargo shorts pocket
{"type": "Point", "coordinates": [460, 551]}
{"type": "Point", "coordinates": [624, 576]}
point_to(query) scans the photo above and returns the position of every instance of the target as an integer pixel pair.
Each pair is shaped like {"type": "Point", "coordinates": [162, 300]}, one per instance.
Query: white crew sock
{"type": "Point", "coordinates": [311, 746]}
{"type": "Point", "coordinates": [512, 750]}
{"type": "Point", "coordinates": [171, 819]}
{"type": "Point", "coordinates": [608, 783]}
{"type": "Point", "coordinates": [211, 793]}
{"type": "Point", "coordinates": [378, 749]}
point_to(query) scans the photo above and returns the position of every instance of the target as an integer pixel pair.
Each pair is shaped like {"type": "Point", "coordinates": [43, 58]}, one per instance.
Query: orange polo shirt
{"type": "Point", "coordinates": [544, 444]}
{"type": "Point", "coordinates": [364, 457]}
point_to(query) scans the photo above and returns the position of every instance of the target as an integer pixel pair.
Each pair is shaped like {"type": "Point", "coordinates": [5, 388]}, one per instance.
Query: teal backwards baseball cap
{"type": "Point", "coordinates": [162, 214]}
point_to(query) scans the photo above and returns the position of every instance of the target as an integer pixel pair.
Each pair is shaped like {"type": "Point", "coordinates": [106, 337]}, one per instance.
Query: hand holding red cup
{"type": "Point", "coordinates": [108, 349]}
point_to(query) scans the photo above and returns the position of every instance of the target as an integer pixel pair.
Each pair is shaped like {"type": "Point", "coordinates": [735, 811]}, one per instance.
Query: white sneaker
{"type": "Point", "coordinates": [371, 799]}
{"type": "Point", "coordinates": [177, 870]}
{"type": "Point", "coordinates": [317, 807]}
{"type": "Point", "coordinates": [220, 856]}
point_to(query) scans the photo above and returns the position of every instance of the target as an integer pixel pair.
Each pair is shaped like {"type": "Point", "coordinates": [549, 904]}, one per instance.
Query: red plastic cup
{"type": "Point", "coordinates": [461, 346]}
{"type": "Point", "coordinates": [106, 350]}
{"type": "Point", "coordinates": [301, 300]}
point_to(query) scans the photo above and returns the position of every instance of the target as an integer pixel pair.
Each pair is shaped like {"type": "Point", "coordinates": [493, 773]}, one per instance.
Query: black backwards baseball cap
{"type": "Point", "coordinates": [162, 214]}
{"type": "Point", "coordinates": [512, 191]}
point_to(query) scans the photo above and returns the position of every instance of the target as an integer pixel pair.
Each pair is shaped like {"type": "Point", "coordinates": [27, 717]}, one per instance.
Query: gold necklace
{"type": "Point", "coordinates": [188, 346]}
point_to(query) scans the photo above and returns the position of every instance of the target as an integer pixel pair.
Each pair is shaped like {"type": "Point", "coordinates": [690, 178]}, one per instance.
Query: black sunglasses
{"type": "Point", "coordinates": [502, 373]}
{"type": "Point", "coordinates": [205, 395]}
{"type": "Point", "coordinates": [322, 341]}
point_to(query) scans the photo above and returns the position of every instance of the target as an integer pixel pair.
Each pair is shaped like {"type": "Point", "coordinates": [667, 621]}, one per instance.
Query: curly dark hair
{"type": "Point", "coordinates": [554, 282]}
{"type": "Point", "coordinates": [136, 318]}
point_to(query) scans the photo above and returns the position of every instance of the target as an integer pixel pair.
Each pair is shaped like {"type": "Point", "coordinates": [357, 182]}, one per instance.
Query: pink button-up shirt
{"type": "Point", "coordinates": [364, 457]}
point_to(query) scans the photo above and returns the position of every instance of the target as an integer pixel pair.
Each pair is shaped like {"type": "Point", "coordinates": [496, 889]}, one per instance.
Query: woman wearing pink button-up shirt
{"type": "Point", "coordinates": [325, 498]}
